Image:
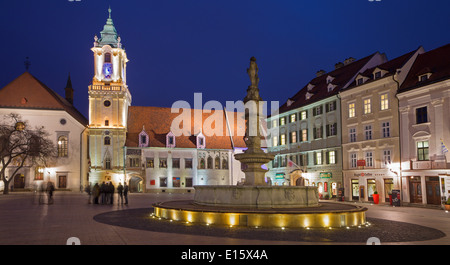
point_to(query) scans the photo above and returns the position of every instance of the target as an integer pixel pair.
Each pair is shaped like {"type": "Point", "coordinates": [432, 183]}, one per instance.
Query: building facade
{"type": "Point", "coordinates": [370, 130]}
{"type": "Point", "coordinates": [424, 102]}
{"type": "Point", "coordinates": [41, 106]}
{"type": "Point", "coordinates": [307, 129]}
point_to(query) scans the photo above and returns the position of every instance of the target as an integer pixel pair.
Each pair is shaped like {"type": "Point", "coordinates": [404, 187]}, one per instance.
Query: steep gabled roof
{"type": "Point", "coordinates": [342, 77]}
{"type": "Point", "coordinates": [157, 122]}
{"type": "Point", "coordinates": [435, 62]}
{"type": "Point", "coordinates": [27, 92]}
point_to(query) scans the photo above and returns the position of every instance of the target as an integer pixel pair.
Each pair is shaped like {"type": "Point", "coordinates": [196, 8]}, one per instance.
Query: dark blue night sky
{"type": "Point", "coordinates": [179, 47]}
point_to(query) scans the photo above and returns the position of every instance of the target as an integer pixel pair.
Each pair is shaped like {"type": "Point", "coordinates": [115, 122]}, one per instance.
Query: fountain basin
{"type": "Point", "coordinates": [257, 197]}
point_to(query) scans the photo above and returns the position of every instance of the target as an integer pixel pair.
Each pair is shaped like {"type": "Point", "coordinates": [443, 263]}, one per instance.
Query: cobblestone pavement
{"type": "Point", "coordinates": [25, 221]}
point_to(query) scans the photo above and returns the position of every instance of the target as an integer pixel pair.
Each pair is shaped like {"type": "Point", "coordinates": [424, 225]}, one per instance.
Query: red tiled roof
{"type": "Point", "coordinates": [27, 92]}
{"type": "Point", "coordinates": [157, 122]}
{"type": "Point", "coordinates": [342, 76]}
{"type": "Point", "coordinates": [436, 62]}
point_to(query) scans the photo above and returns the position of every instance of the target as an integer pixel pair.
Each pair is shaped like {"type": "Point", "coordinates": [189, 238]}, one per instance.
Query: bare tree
{"type": "Point", "coordinates": [21, 145]}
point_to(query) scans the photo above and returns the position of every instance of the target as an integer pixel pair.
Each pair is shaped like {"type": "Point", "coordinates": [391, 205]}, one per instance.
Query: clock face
{"type": "Point", "coordinates": [107, 70]}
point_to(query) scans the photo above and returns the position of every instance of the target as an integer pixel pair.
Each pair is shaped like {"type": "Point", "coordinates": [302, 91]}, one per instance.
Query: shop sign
{"type": "Point", "coordinates": [361, 163]}
{"type": "Point", "coordinates": [279, 176]}
{"type": "Point", "coordinates": [326, 175]}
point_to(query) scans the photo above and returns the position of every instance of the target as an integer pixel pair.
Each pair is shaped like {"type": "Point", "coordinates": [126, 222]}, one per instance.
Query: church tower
{"type": "Point", "coordinates": [109, 99]}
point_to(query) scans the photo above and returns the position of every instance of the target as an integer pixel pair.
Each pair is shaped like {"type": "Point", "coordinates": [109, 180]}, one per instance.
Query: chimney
{"type": "Point", "coordinates": [69, 91]}
{"type": "Point", "coordinates": [338, 65]}
{"type": "Point", "coordinates": [320, 73]}
{"type": "Point", "coordinates": [349, 60]}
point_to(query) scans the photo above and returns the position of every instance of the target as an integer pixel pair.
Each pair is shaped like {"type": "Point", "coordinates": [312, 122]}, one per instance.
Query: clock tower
{"type": "Point", "coordinates": [109, 99]}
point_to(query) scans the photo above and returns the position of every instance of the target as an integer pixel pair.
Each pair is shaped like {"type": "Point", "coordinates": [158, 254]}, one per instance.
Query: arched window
{"type": "Point", "coordinates": [210, 162]}
{"type": "Point", "coordinates": [217, 163]}
{"type": "Point", "coordinates": [201, 164]}
{"type": "Point", "coordinates": [107, 140]}
{"type": "Point", "coordinates": [62, 146]}
{"type": "Point", "coordinates": [224, 163]}
{"type": "Point", "coordinates": [107, 162]}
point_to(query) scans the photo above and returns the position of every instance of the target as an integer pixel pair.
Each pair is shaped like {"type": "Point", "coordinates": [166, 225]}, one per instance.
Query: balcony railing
{"type": "Point", "coordinates": [429, 164]}
{"type": "Point", "coordinates": [106, 88]}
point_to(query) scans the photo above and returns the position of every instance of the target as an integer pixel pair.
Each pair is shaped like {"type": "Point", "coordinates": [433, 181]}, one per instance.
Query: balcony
{"type": "Point", "coordinates": [429, 164]}
{"type": "Point", "coordinates": [106, 88]}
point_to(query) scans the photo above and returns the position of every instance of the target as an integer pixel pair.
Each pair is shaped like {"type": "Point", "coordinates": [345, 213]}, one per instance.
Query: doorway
{"type": "Point", "coordinates": [62, 182]}
{"type": "Point", "coordinates": [19, 181]}
{"type": "Point", "coordinates": [415, 190]}
{"type": "Point", "coordinates": [433, 190]}
{"type": "Point", "coordinates": [355, 189]}
{"type": "Point", "coordinates": [136, 184]}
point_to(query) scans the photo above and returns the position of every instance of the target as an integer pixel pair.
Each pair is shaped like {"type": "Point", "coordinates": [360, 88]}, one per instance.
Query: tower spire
{"type": "Point", "coordinates": [69, 90]}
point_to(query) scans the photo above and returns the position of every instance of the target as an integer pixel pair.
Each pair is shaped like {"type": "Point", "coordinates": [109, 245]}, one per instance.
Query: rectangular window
{"type": "Point", "coordinates": [293, 117]}
{"type": "Point", "coordinates": [274, 123]}
{"type": "Point", "coordinates": [353, 160]}
{"type": "Point", "coordinates": [351, 110]}
{"type": "Point", "coordinates": [282, 121]}
{"type": "Point", "coordinates": [318, 158]}
{"type": "Point", "coordinates": [304, 135]}
{"type": "Point", "coordinates": [303, 115]}
{"type": "Point", "coordinates": [283, 139]}
{"type": "Point", "coordinates": [149, 162]}
{"type": "Point", "coordinates": [352, 135]}
{"type": "Point", "coordinates": [386, 131]}
{"type": "Point", "coordinates": [331, 129]}
{"type": "Point", "coordinates": [377, 74]}
{"type": "Point", "coordinates": [317, 132]}
{"type": "Point", "coordinates": [188, 163]}
{"type": "Point", "coordinates": [421, 115]}
{"type": "Point", "coordinates": [387, 157]}
{"type": "Point", "coordinates": [330, 106]}
{"type": "Point", "coordinates": [367, 106]}
{"type": "Point", "coordinates": [163, 182]}
{"type": "Point", "coordinates": [422, 151]}
{"type": "Point", "coordinates": [360, 81]}
{"type": "Point", "coordinates": [39, 174]}
{"type": "Point", "coordinates": [134, 162]}
{"type": "Point", "coordinates": [332, 157]}
{"type": "Point", "coordinates": [303, 160]}
{"type": "Point", "coordinates": [317, 110]}
{"type": "Point", "coordinates": [163, 162]}
{"type": "Point", "coordinates": [275, 141]}
{"type": "Point", "coordinates": [175, 163]}
{"type": "Point", "coordinates": [189, 183]}
{"type": "Point", "coordinates": [368, 132]}
{"type": "Point", "coordinates": [384, 100]}
{"type": "Point", "coordinates": [293, 137]}
{"type": "Point", "coordinates": [369, 159]}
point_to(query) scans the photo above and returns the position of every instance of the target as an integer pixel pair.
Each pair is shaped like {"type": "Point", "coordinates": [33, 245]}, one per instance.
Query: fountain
{"type": "Point", "coordinates": [255, 203]}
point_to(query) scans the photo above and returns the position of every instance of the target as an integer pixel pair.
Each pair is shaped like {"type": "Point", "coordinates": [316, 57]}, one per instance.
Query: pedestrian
{"type": "Point", "coordinates": [103, 193]}
{"type": "Point", "coordinates": [125, 193]}
{"type": "Point", "coordinates": [120, 193]}
{"type": "Point", "coordinates": [96, 192]}
{"type": "Point", "coordinates": [50, 190]}
{"type": "Point", "coordinates": [111, 194]}
{"type": "Point", "coordinates": [89, 192]}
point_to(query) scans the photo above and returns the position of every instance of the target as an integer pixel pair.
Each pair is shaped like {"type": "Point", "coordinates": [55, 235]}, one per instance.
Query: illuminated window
{"type": "Point", "coordinates": [422, 151]}
{"type": "Point", "coordinates": [39, 174]}
{"type": "Point", "coordinates": [282, 121]}
{"type": "Point", "coordinates": [304, 135]}
{"type": "Point", "coordinates": [384, 101]}
{"type": "Point", "coordinates": [149, 163]}
{"type": "Point", "coordinates": [318, 158]}
{"type": "Point", "coordinates": [367, 106]}
{"type": "Point", "coordinates": [275, 141]}
{"type": "Point", "coordinates": [293, 137]}
{"type": "Point", "coordinates": [283, 139]}
{"type": "Point", "coordinates": [303, 115]}
{"type": "Point", "coordinates": [293, 117]}
{"type": "Point", "coordinates": [217, 163]}
{"type": "Point", "coordinates": [163, 162]}
{"type": "Point", "coordinates": [274, 123]}
{"type": "Point", "coordinates": [351, 110]}
{"type": "Point", "coordinates": [62, 146]}
{"type": "Point", "coordinates": [332, 157]}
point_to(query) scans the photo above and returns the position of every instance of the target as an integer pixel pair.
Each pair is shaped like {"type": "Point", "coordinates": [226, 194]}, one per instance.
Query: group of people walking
{"type": "Point", "coordinates": [104, 193]}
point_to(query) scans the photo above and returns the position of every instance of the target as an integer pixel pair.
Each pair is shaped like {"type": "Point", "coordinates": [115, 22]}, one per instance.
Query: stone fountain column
{"type": "Point", "coordinates": [254, 157]}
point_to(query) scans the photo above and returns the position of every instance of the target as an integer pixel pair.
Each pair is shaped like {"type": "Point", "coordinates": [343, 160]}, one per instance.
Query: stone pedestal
{"type": "Point", "coordinates": [257, 196]}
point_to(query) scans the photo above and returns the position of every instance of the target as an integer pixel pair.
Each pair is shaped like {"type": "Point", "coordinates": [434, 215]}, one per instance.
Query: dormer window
{"type": "Point", "coordinates": [331, 87]}
{"type": "Point", "coordinates": [424, 77]}
{"type": "Point", "coordinates": [310, 87]}
{"type": "Point", "coordinates": [329, 79]}
{"type": "Point", "coordinates": [143, 138]}
{"type": "Point", "coordinates": [308, 95]}
{"type": "Point", "coordinates": [170, 140]}
{"type": "Point", "coordinates": [201, 144]}
{"type": "Point", "coordinates": [377, 75]}
{"type": "Point", "coordinates": [359, 81]}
